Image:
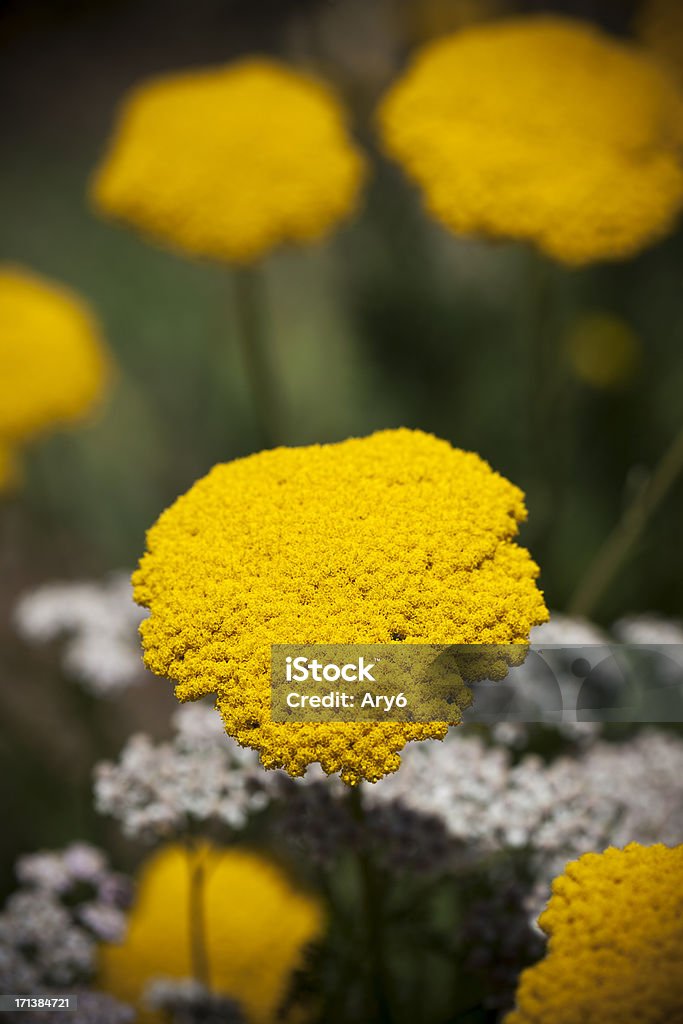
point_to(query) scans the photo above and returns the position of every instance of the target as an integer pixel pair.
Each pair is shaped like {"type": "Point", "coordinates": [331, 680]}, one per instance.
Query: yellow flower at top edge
{"type": "Point", "coordinates": [542, 129]}
{"type": "Point", "coordinates": [54, 366]}
{"type": "Point", "coordinates": [388, 538]}
{"type": "Point", "coordinates": [228, 162]}
{"type": "Point", "coordinates": [257, 925]}
{"type": "Point", "coordinates": [615, 922]}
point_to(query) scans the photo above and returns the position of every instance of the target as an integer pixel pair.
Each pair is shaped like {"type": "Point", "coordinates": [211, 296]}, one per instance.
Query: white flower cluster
{"type": "Point", "coordinates": [159, 790]}
{"type": "Point", "coordinates": [99, 621]}
{"type": "Point", "coordinates": [575, 671]}
{"type": "Point", "coordinates": [648, 629]}
{"type": "Point", "coordinates": [67, 902]}
{"type": "Point", "coordinates": [612, 794]}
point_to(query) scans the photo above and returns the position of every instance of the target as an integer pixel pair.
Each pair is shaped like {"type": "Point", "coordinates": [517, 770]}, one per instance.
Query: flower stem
{"type": "Point", "coordinates": [628, 530]}
{"type": "Point", "coordinates": [199, 957]}
{"type": "Point", "coordinates": [250, 307]}
{"type": "Point", "coordinates": [378, 980]}
{"type": "Point", "coordinates": [548, 397]}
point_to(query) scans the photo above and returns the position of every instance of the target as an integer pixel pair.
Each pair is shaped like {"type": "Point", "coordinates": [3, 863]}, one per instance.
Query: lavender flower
{"type": "Point", "coordinates": [66, 903]}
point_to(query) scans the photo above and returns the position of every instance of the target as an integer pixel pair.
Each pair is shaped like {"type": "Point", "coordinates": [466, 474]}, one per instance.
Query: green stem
{"type": "Point", "coordinates": [199, 956]}
{"type": "Point", "coordinates": [628, 530]}
{"type": "Point", "coordinates": [372, 898]}
{"type": "Point", "coordinates": [549, 399]}
{"type": "Point", "coordinates": [250, 307]}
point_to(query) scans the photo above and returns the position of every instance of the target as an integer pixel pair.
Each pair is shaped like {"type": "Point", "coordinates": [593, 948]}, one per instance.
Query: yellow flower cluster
{"type": "Point", "coordinates": [229, 162]}
{"type": "Point", "coordinates": [53, 364]}
{"type": "Point", "coordinates": [542, 129]}
{"type": "Point", "coordinates": [615, 922]}
{"type": "Point", "coordinates": [257, 926]}
{"type": "Point", "coordinates": [397, 536]}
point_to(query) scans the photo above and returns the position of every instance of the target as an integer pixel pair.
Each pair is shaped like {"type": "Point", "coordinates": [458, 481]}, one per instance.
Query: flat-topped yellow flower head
{"type": "Point", "coordinates": [615, 922]}
{"type": "Point", "coordinates": [53, 363]}
{"type": "Point", "coordinates": [256, 928]}
{"type": "Point", "coordinates": [229, 162]}
{"type": "Point", "coordinates": [397, 537]}
{"type": "Point", "coordinates": [542, 129]}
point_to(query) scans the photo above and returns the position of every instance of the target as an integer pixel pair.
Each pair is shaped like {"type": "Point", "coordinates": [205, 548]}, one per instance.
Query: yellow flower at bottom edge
{"type": "Point", "coordinates": [257, 926]}
{"type": "Point", "coordinates": [615, 922]}
{"type": "Point", "coordinates": [542, 129]}
{"type": "Point", "coordinates": [229, 162]}
{"type": "Point", "coordinates": [53, 363]}
{"type": "Point", "coordinates": [393, 538]}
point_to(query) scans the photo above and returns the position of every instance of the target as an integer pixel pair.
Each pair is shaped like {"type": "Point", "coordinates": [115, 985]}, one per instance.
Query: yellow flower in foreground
{"type": "Point", "coordinates": [256, 929]}
{"type": "Point", "coordinates": [229, 162]}
{"type": "Point", "coordinates": [603, 351]}
{"type": "Point", "coordinates": [615, 922]}
{"type": "Point", "coordinates": [542, 129]}
{"type": "Point", "coordinates": [397, 536]}
{"type": "Point", "coordinates": [53, 363]}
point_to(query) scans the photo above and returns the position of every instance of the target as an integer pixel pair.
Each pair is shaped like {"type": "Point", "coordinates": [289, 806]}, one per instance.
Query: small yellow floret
{"type": "Point", "coordinates": [603, 351]}
{"type": "Point", "coordinates": [53, 363]}
{"type": "Point", "coordinates": [389, 538]}
{"type": "Point", "coordinates": [542, 129]}
{"type": "Point", "coordinates": [257, 926]}
{"type": "Point", "coordinates": [229, 162]}
{"type": "Point", "coordinates": [615, 922]}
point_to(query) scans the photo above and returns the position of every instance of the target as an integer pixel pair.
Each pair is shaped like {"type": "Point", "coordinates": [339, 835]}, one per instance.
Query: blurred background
{"type": "Point", "coordinates": [392, 322]}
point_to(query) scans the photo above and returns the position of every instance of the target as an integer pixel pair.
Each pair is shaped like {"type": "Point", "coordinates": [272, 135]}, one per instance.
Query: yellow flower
{"type": "Point", "coordinates": [603, 351]}
{"type": "Point", "coordinates": [229, 162]}
{"type": "Point", "coordinates": [257, 926]}
{"type": "Point", "coordinates": [615, 922]}
{"type": "Point", "coordinates": [542, 129]}
{"type": "Point", "coordinates": [53, 363]}
{"type": "Point", "coordinates": [373, 540]}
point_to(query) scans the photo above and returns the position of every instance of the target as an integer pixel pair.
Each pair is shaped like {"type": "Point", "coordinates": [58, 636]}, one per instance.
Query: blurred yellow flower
{"type": "Point", "coordinates": [397, 536]}
{"type": "Point", "coordinates": [229, 162]}
{"type": "Point", "coordinates": [603, 351]}
{"type": "Point", "coordinates": [542, 129]}
{"type": "Point", "coordinates": [660, 28]}
{"type": "Point", "coordinates": [53, 363]}
{"type": "Point", "coordinates": [615, 922]}
{"type": "Point", "coordinates": [257, 926]}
